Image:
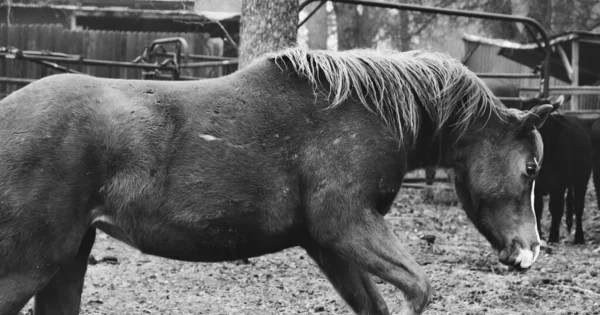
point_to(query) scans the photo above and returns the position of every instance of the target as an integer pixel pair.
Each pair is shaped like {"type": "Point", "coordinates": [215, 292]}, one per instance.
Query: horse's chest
{"type": "Point", "coordinates": [107, 224]}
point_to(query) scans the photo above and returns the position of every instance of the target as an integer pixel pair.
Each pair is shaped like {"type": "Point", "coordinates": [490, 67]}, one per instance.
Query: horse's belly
{"type": "Point", "coordinates": [206, 242]}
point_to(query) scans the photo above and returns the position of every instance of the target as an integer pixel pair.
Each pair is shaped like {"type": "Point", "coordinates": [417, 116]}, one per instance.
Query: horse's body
{"type": "Point", "coordinates": [566, 168]}
{"type": "Point", "coordinates": [252, 163]}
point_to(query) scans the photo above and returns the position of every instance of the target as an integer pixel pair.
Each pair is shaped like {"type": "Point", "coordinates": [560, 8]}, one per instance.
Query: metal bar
{"type": "Point", "coordinates": [508, 75]}
{"type": "Point", "coordinates": [22, 81]}
{"type": "Point", "coordinates": [168, 77]}
{"type": "Point", "coordinates": [482, 15]}
{"type": "Point", "coordinates": [55, 66]}
{"type": "Point", "coordinates": [572, 90]}
{"type": "Point", "coordinates": [203, 64]}
{"type": "Point", "coordinates": [589, 41]}
{"type": "Point", "coordinates": [194, 56]}
{"type": "Point", "coordinates": [90, 62]}
{"type": "Point", "coordinates": [311, 13]}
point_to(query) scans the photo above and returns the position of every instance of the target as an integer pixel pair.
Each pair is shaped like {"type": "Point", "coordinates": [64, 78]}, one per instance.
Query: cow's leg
{"type": "Point", "coordinates": [569, 210]}
{"type": "Point", "coordinates": [352, 283]}
{"type": "Point", "coordinates": [578, 206]}
{"type": "Point", "coordinates": [538, 205]}
{"type": "Point", "coordinates": [62, 295]}
{"type": "Point", "coordinates": [557, 207]}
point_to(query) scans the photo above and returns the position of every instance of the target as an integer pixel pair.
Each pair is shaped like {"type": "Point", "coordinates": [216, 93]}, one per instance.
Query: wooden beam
{"type": "Point", "coordinates": [571, 90]}
{"type": "Point", "coordinates": [575, 67]}
{"type": "Point", "coordinates": [565, 61]}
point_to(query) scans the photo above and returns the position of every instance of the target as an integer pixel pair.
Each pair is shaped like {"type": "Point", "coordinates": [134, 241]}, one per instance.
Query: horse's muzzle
{"type": "Point", "coordinates": [519, 257]}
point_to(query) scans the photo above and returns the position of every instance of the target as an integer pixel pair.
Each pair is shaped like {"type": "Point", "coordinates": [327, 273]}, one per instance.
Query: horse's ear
{"type": "Point", "coordinates": [536, 117]}
{"type": "Point", "coordinates": [560, 101]}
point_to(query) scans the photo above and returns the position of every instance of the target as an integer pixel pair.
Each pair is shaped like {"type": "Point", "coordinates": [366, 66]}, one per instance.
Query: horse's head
{"type": "Point", "coordinates": [495, 165]}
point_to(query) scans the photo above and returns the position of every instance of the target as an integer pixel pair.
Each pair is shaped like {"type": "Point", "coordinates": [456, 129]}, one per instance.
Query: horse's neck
{"type": "Point", "coordinates": [432, 148]}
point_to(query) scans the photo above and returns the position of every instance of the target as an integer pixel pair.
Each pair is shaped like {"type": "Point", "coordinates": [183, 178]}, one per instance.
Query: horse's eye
{"type": "Point", "coordinates": [531, 170]}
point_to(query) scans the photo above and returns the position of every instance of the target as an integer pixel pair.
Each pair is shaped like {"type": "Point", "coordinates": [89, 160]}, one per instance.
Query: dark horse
{"type": "Point", "coordinates": [567, 167]}
{"type": "Point", "coordinates": [298, 149]}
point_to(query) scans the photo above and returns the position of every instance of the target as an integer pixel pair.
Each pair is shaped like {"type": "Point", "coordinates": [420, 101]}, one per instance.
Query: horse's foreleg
{"type": "Point", "coordinates": [353, 284]}
{"type": "Point", "coordinates": [365, 239]}
{"type": "Point", "coordinates": [62, 295]}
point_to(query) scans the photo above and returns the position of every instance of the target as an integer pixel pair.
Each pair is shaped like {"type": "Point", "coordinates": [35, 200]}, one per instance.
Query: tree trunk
{"type": "Point", "coordinates": [317, 27]}
{"type": "Point", "coordinates": [369, 23]}
{"type": "Point", "coordinates": [266, 26]}
{"type": "Point", "coordinates": [346, 16]}
{"type": "Point", "coordinates": [541, 11]}
{"type": "Point", "coordinates": [404, 30]}
{"type": "Point", "coordinates": [500, 29]}
{"type": "Point", "coordinates": [356, 30]}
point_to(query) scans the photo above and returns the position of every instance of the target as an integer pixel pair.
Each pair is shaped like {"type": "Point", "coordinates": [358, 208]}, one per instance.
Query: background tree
{"type": "Point", "coordinates": [357, 26]}
{"type": "Point", "coordinates": [317, 26]}
{"type": "Point", "coordinates": [266, 26]}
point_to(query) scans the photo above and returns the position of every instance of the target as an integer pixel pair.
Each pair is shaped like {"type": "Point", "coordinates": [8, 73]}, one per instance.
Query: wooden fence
{"type": "Point", "coordinates": [104, 45]}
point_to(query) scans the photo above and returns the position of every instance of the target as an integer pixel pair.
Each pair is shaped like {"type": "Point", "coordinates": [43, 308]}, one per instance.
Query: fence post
{"type": "Point", "coordinates": [575, 65]}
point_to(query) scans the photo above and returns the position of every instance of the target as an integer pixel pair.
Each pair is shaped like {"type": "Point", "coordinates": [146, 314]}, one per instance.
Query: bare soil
{"type": "Point", "coordinates": [465, 274]}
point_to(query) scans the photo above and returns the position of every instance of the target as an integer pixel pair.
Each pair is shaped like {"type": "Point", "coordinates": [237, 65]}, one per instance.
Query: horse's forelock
{"type": "Point", "coordinates": [398, 85]}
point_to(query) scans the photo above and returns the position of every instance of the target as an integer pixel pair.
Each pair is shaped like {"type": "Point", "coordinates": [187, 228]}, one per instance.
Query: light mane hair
{"type": "Point", "coordinates": [398, 85]}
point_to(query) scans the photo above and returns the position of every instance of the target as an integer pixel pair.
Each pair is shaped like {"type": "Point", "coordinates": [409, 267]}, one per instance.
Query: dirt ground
{"type": "Point", "coordinates": [466, 277]}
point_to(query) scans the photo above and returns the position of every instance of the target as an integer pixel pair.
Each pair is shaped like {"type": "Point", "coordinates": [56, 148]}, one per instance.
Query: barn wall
{"type": "Point", "coordinates": [103, 45]}
{"type": "Point", "coordinates": [485, 58]}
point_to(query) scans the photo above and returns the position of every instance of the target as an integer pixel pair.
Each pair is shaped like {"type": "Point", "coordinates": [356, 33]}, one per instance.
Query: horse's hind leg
{"type": "Point", "coordinates": [352, 283]}
{"type": "Point", "coordinates": [362, 237]}
{"type": "Point", "coordinates": [62, 295]}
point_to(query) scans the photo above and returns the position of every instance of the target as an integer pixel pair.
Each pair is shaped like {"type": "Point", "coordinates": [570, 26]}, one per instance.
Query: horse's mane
{"type": "Point", "coordinates": [398, 85]}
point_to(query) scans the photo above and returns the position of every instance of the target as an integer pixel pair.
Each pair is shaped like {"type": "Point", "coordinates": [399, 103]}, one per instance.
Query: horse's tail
{"type": "Point", "coordinates": [569, 212]}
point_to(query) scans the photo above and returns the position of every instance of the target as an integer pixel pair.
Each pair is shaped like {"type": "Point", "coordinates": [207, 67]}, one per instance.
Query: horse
{"type": "Point", "coordinates": [299, 149]}
{"type": "Point", "coordinates": [567, 167]}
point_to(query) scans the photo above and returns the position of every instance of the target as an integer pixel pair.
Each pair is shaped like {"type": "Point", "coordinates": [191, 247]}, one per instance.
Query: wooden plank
{"type": "Point", "coordinates": [75, 38]}
{"type": "Point", "coordinates": [130, 53]}
{"type": "Point", "coordinates": [109, 53]}
{"type": "Point", "coordinates": [3, 62]}
{"type": "Point", "coordinates": [85, 49]}
{"type": "Point", "coordinates": [122, 45]}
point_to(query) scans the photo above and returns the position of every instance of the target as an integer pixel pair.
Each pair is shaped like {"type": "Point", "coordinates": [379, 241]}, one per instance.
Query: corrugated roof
{"type": "Point", "coordinates": [117, 10]}
{"type": "Point", "coordinates": [531, 55]}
